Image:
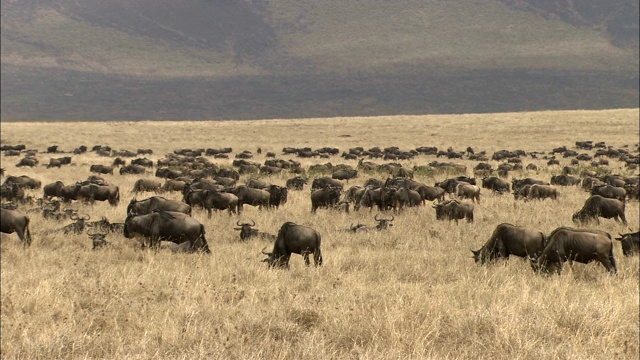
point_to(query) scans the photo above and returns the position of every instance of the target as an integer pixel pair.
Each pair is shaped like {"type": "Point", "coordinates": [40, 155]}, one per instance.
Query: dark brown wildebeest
{"type": "Point", "coordinates": [565, 180]}
{"type": "Point", "coordinates": [147, 206]}
{"type": "Point", "coordinates": [370, 197]}
{"type": "Point", "coordinates": [509, 239]}
{"type": "Point", "coordinates": [142, 185]}
{"type": "Point", "coordinates": [277, 195]}
{"type": "Point", "coordinates": [101, 169]}
{"type": "Point", "coordinates": [294, 239]}
{"type": "Point", "coordinates": [174, 185]}
{"type": "Point", "coordinates": [29, 161]}
{"type": "Point", "coordinates": [610, 192]}
{"type": "Point", "coordinates": [171, 226]}
{"type": "Point", "coordinates": [53, 189]}
{"type": "Point", "coordinates": [522, 193]}
{"type": "Point", "coordinates": [12, 192]}
{"type": "Point", "coordinates": [98, 238]}
{"type": "Point", "coordinates": [541, 192]}
{"type": "Point", "coordinates": [383, 224]}
{"type": "Point", "coordinates": [247, 232]}
{"type": "Point", "coordinates": [324, 182]}
{"type": "Point", "coordinates": [14, 221]}
{"type": "Point", "coordinates": [630, 243]}
{"type": "Point", "coordinates": [93, 192]}
{"type": "Point", "coordinates": [257, 184]}
{"type": "Point", "coordinates": [249, 196]}
{"type": "Point", "coordinates": [78, 226]}
{"type": "Point", "coordinates": [296, 183]}
{"type": "Point", "coordinates": [218, 200]}
{"type": "Point", "coordinates": [430, 193]}
{"type": "Point", "coordinates": [597, 206]}
{"type": "Point", "coordinates": [142, 162]}
{"type": "Point", "coordinates": [23, 181]}
{"type": "Point", "coordinates": [583, 246]}
{"type": "Point", "coordinates": [325, 197]}
{"type": "Point", "coordinates": [495, 184]}
{"type": "Point", "coordinates": [133, 169]}
{"type": "Point", "coordinates": [468, 191]}
{"type": "Point", "coordinates": [344, 174]}
{"type": "Point", "coordinates": [516, 184]}
{"type": "Point", "coordinates": [454, 210]}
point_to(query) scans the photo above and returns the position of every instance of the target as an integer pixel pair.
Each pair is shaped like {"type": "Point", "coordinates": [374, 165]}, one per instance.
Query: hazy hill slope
{"type": "Point", "coordinates": [67, 49]}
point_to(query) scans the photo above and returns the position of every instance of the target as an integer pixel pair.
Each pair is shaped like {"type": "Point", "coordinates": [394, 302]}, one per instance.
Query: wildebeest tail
{"type": "Point", "coordinates": [612, 259]}
{"type": "Point", "coordinates": [27, 233]}
{"type": "Point", "coordinates": [317, 253]}
{"type": "Point", "coordinates": [205, 245]}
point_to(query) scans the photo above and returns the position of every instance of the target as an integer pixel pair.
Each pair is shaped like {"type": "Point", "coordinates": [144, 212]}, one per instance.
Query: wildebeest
{"type": "Point", "coordinates": [12, 192]}
{"type": "Point", "coordinates": [218, 200]}
{"type": "Point", "coordinates": [383, 224]}
{"type": "Point", "coordinates": [296, 183]}
{"type": "Point", "coordinates": [247, 232]}
{"type": "Point", "coordinates": [249, 196]}
{"type": "Point", "coordinates": [344, 174]}
{"type": "Point", "coordinates": [509, 239]}
{"type": "Point", "coordinates": [516, 184]}
{"type": "Point", "coordinates": [597, 206]}
{"type": "Point", "coordinates": [370, 197]}
{"type": "Point", "coordinates": [542, 192]}
{"type": "Point", "coordinates": [565, 180]}
{"type": "Point", "coordinates": [610, 192]}
{"type": "Point", "coordinates": [583, 246]}
{"type": "Point", "coordinates": [29, 161]}
{"type": "Point", "coordinates": [630, 243]}
{"type": "Point", "coordinates": [294, 239]}
{"type": "Point", "coordinates": [171, 226]}
{"type": "Point", "coordinates": [174, 185]}
{"type": "Point", "coordinates": [167, 173]}
{"type": "Point", "coordinates": [93, 192]}
{"type": "Point", "coordinates": [325, 197]}
{"type": "Point", "coordinates": [142, 185]}
{"type": "Point", "coordinates": [257, 184]}
{"type": "Point", "coordinates": [133, 169]}
{"type": "Point", "coordinates": [454, 210]}
{"type": "Point", "coordinates": [146, 206]}
{"type": "Point", "coordinates": [78, 226]}
{"type": "Point", "coordinates": [495, 184]}
{"type": "Point", "coordinates": [101, 169]}
{"type": "Point", "coordinates": [142, 162]}
{"type": "Point", "coordinates": [277, 195]}
{"type": "Point", "coordinates": [324, 182]}
{"type": "Point", "coordinates": [430, 193]}
{"type": "Point", "coordinates": [97, 238]}
{"type": "Point", "coordinates": [53, 189]}
{"type": "Point", "coordinates": [14, 221]}
{"type": "Point", "coordinates": [468, 191]}
{"type": "Point", "coordinates": [23, 181]}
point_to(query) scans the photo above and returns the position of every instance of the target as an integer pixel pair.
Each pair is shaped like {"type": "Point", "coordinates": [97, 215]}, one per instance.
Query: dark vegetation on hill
{"type": "Point", "coordinates": [157, 59]}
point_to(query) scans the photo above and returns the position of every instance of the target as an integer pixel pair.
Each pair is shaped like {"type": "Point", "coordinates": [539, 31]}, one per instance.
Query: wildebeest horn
{"type": "Point", "coordinates": [90, 233]}
{"type": "Point", "coordinates": [376, 217]}
{"type": "Point", "coordinates": [73, 216]}
{"type": "Point", "coordinates": [87, 217]}
{"type": "Point", "coordinates": [392, 218]}
{"type": "Point", "coordinates": [266, 253]}
{"type": "Point", "coordinates": [238, 223]}
{"type": "Point", "coordinates": [253, 223]}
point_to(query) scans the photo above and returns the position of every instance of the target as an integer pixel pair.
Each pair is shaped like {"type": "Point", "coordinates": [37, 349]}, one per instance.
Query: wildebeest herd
{"type": "Point", "coordinates": [210, 186]}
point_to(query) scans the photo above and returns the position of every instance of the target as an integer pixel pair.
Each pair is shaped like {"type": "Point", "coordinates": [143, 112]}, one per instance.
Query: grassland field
{"type": "Point", "coordinates": [412, 292]}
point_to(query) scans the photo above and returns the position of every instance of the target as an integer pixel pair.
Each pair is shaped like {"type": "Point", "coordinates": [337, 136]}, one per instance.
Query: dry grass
{"type": "Point", "coordinates": [412, 292]}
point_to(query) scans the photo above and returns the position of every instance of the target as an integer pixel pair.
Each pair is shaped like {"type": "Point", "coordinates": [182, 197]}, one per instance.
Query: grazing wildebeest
{"type": "Point", "coordinates": [517, 184]}
{"type": "Point", "coordinates": [583, 246]}
{"type": "Point", "coordinates": [171, 226]}
{"type": "Point", "coordinates": [294, 239]}
{"type": "Point", "coordinates": [610, 192]}
{"type": "Point", "coordinates": [325, 197]}
{"type": "Point", "coordinates": [14, 221]}
{"type": "Point", "coordinates": [147, 206]}
{"type": "Point", "coordinates": [142, 185]}
{"type": "Point", "coordinates": [522, 192]}
{"type": "Point", "coordinates": [468, 191]}
{"type": "Point", "coordinates": [101, 169]}
{"type": "Point", "coordinates": [370, 197]}
{"type": "Point", "coordinates": [454, 210]}
{"type": "Point", "coordinates": [542, 192]}
{"type": "Point", "coordinates": [247, 232]}
{"type": "Point", "coordinates": [325, 182]}
{"type": "Point", "coordinates": [597, 206]}
{"type": "Point", "coordinates": [509, 239]}
{"type": "Point", "coordinates": [565, 180]}
{"type": "Point", "coordinates": [630, 243]}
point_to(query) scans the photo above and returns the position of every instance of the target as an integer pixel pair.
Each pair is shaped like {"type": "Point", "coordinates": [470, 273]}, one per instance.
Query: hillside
{"type": "Point", "coordinates": [263, 59]}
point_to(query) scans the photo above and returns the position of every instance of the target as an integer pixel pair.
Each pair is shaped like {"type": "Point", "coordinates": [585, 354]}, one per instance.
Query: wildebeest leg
{"type": "Point", "coordinates": [317, 257]}
{"type": "Point", "coordinates": [209, 212]}
{"type": "Point", "coordinates": [306, 258]}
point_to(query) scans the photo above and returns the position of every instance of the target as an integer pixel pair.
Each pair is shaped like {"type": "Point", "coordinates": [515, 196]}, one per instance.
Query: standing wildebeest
{"type": "Point", "coordinates": [246, 232]}
{"type": "Point", "coordinates": [101, 169]}
{"type": "Point", "coordinates": [370, 197]}
{"type": "Point", "coordinates": [171, 226]}
{"type": "Point", "coordinates": [324, 182]}
{"type": "Point", "coordinates": [147, 206]}
{"type": "Point", "coordinates": [214, 199]}
{"type": "Point", "coordinates": [468, 191]}
{"type": "Point", "coordinates": [249, 196]}
{"type": "Point", "coordinates": [14, 221]}
{"type": "Point", "coordinates": [296, 183]}
{"type": "Point", "coordinates": [495, 184]}
{"type": "Point", "coordinates": [454, 210]}
{"type": "Point", "coordinates": [345, 174]}
{"type": "Point", "coordinates": [257, 184]}
{"type": "Point", "coordinates": [325, 197]}
{"type": "Point", "coordinates": [12, 192]}
{"type": "Point", "coordinates": [277, 195]}
{"type": "Point", "coordinates": [23, 181]}
{"type": "Point", "coordinates": [610, 192]}
{"type": "Point", "coordinates": [630, 243]}
{"type": "Point", "coordinates": [174, 185]}
{"type": "Point", "coordinates": [142, 185]}
{"type": "Point", "coordinates": [93, 192]}
{"type": "Point", "coordinates": [516, 184]}
{"type": "Point", "coordinates": [142, 162]}
{"type": "Point", "coordinates": [430, 193]}
{"type": "Point", "coordinates": [507, 240]}
{"type": "Point", "coordinates": [542, 192]}
{"type": "Point", "coordinates": [583, 246]}
{"type": "Point", "coordinates": [598, 206]}
{"type": "Point", "coordinates": [294, 239]}
{"type": "Point", "coordinates": [565, 180]}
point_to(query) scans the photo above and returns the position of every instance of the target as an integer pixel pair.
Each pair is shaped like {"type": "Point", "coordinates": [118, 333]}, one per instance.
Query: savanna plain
{"type": "Point", "coordinates": [411, 292]}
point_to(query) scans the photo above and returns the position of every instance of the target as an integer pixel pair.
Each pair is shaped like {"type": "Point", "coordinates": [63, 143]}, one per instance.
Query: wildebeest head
{"type": "Point", "coordinates": [245, 229]}
{"type": "Point", "coordinates": [630, 243]}
{"type": "Point", "coordinates": [383, 223]}
{"type": "Point", "coordinates": [98, 238]}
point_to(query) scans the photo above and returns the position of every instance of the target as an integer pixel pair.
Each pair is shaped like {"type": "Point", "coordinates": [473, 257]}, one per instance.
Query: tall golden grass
{"type": "Point", "coordinates": [413, 291]}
